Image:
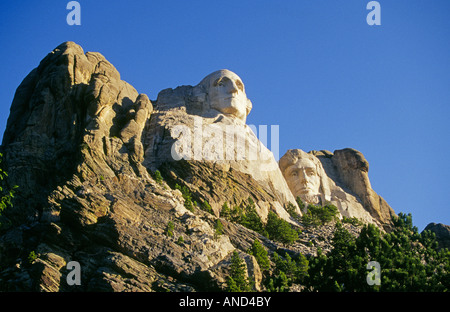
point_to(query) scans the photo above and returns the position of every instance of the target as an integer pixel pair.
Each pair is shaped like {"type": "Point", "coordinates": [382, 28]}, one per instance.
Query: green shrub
{"type": "Point", "coordinates": [292, 211]}
{"type": "Point", "coordinates": [246, 215]}
{"type": "Point", "coordinates": [275, 228]}
{"type": "Point", "coordinates": [218, 228]}
{"type": "Point", "coordinates": [353, 221]}
{"type": "Point", "coordinates": [169, 229]}
{"type": "Point", "coordinates": [32, 256]}
{"type": "Point", "coordinates": [6, 193]}
{"type": "Point", "coordinates": [280, 230]}
{"type": "Point", "coordinates": [158, 177]}
{"type": "Point", "coordinates": [237, 213]}
{"type": "Point", "coordinates": [251, 220]}
{"type": "Point", "coordinates": [206, 207]}
{"type": "Point", "coordinates": [319, 215]}
{"type": "Point", "coordinates": [225, 212]}
{"type": "Point", "coordinates": [187, 196]}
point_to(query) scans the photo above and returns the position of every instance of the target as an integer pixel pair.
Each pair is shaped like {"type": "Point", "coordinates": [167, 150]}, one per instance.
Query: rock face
{"type": "Point", "coordinates": [340, 178]}
{"type": "Point", "coordinates": [73, 144]}
{"type": "Point", "coordinates": [83, 146]}
{"type": "Point", "coordinates": [205, 125]}
{"type": "Point", "coordinates": [442, 232]}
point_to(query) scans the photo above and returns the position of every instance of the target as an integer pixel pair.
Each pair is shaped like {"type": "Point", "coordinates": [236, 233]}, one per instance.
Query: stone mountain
{"type": "Point", "coordinates": [85, 148]}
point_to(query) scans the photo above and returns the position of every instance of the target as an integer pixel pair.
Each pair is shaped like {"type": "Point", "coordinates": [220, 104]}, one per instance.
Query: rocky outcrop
{"type": "Point", "coordinates": [68, 111]}
{"type": "Point", "coordinates": [442, 233]}
{"type": "Point", "coordinates": [83, 146]}
{"type": "Point", "coordinates": [185, 126]}
{"type": "Point", "coordinates": [73, 144]}
{"type": "Point", "coordinates": [353, 168]}
{"type": "Point", "coordinates": [340, 178]}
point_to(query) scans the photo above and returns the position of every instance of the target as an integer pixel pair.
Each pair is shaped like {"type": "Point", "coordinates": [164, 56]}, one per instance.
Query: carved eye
{"type": "Point", "coordinates": [310, 172]}
{"type": "Point", "coordinates": [218, 82]}
{"type": "Point", "coordinates": [294, 174]}
{"type": "Point", "coordinates": [240, 85]}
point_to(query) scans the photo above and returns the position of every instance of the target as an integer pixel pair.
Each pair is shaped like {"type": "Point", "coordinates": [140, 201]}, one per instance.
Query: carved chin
{"type": "Point", "coordinates": [310, 198]}
{"type": "Point", "coordinates": [231, 111]}
{"type": "Point", "coordinates": [230, 107]}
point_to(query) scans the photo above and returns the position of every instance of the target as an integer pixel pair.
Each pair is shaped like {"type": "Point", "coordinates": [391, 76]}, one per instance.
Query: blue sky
{"type": "Point", "coordinates": [315, 68]}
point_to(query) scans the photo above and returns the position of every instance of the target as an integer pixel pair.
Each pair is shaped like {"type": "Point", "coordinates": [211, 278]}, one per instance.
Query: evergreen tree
{"type": "Point", "coordinates": [280, 230]}
{"type": "Point", "coordinates": [218, 229]}
{"type": "Point", "coordinates": [158, 177]}
{"type": "Point", "coordinates": [260, 254]}
{"type": "Point", "coordinates": [237, 281]}
{"type": "Point", "coordinates": [318, 215]}
{"type": "Point", "coordinates": [205, 206]}
{"type": "Point", "coordinates": [6, 193]}
{"type": "Point", "coordinates": [225, 212]}
{"type": "Point", "coordinates": [290, 208]}
{"type": "Point", "coordinates": [169, 229]}
{"type": "Point", "coordinates": [286, 272]}
{"type": "Point", "coordinates": [300, 203]}
{"type": "Point", "coordinates": [409, 261]}
{"type": "Point", "coordinates": [187, 196]}
{"type": "Point", "coordinates": [251, 219]}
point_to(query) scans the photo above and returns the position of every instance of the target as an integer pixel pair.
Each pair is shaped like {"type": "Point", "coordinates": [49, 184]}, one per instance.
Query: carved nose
{"type": "Point", "coordinates": [303, 175]}
{"type": "Point", "coordinates": [233, 88]}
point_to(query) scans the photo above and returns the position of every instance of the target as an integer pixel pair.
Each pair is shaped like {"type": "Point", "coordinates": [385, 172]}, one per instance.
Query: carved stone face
{"type": "Point", "coordinates": [226, 93]}
{"type": "Point", "coordinates": [305, 176]}
{"type": "Point", "coordinates": [302, 178]}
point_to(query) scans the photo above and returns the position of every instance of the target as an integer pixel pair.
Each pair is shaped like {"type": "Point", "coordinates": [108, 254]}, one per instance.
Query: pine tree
{"type": "Point", "coordinates": [237, 281]}
{"type": "Point", "coordinates": [260, 254]}
{"type": "Point", "coordinates": [158, 177]}
{"type": "Point", "coordinates": [218, 229]}
{"type": "Point", "coordinates": [409, 261]}
{"type": "Point", "coordinates": [6, 193]}
{"type": "Point", "coordinates": [205, 206]}
{"type": "Point", "coordinates": [225, 212]}
{"type": "Point", "coordinates": [280, 230]}
{"type": "Point", "coordinates": [169, 229]}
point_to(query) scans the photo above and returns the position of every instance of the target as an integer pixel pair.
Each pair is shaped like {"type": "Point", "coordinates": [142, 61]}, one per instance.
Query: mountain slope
{"type": "Point", "coordinates": [76, 144]}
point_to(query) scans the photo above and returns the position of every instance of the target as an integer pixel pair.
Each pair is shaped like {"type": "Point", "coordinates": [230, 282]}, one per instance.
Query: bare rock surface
{"type": "Point", "coordinates": [340, 178]}
{"type": "Point", "coordinates": [83, 147]}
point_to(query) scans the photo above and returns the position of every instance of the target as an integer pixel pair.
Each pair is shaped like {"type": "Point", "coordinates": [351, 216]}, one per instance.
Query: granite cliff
{"type": "Point", "coordinates": [86, 150]}
{"type": "Point", "coordinates": [340, 178]}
